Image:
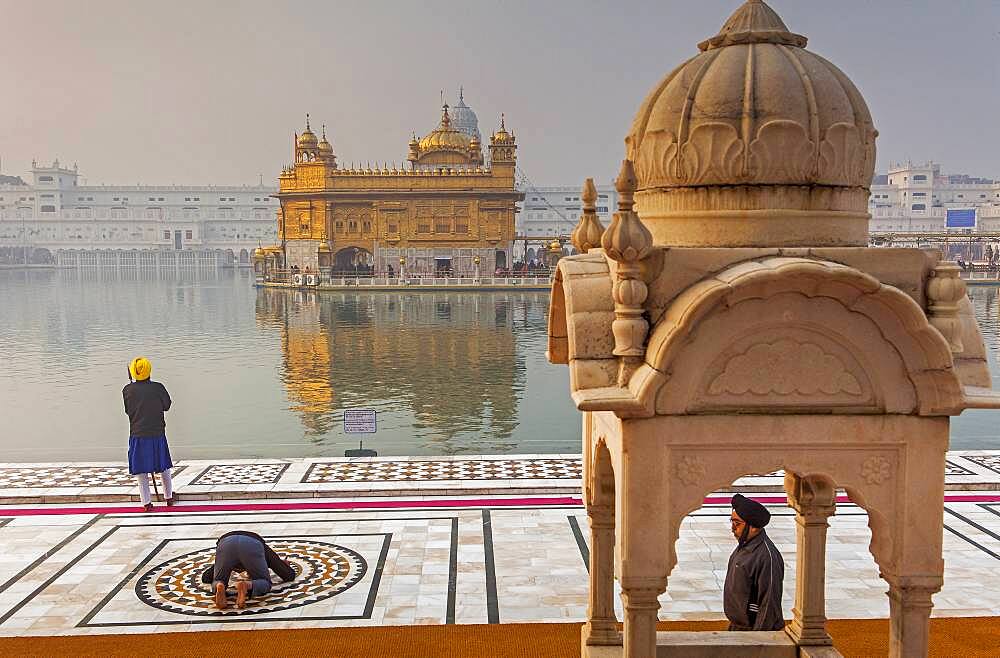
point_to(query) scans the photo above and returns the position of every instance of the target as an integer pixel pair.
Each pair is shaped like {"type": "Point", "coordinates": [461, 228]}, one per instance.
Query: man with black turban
{"type": "Point", "coordinates": [752, 595]}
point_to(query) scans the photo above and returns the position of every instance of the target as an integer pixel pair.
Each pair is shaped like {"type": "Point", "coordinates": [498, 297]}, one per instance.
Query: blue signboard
{"type": "Point", "coordinates": [961, 218]}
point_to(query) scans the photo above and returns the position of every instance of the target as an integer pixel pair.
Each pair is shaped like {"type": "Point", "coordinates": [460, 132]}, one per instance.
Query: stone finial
{"type": "Point", "coordinates": [753, 22]}
{"type": "Point", "coordinates": [945, 289]}
{"type": "Point", "coordinates": [626, 184]}
{"type": "Point", "coordinates": [588, 232]}
{"type": "Point", "coordinates": [628, 241]}
{"type": "Point", "coordinates": [589, 195]}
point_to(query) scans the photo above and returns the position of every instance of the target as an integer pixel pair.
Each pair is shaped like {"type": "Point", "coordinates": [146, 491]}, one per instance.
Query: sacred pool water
{"type": "Point", "coordinates": [266, 373]}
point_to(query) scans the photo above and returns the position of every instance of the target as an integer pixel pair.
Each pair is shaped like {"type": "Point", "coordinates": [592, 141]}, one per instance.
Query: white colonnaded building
{"type": "Point", "coordinates": [53, 218]}
{"type": "Point", "coordinates": [555, 210]}
{"type": "Point", "coordinates": [920, 198]}
{"type": "Point", "coordinates": [552, 212]}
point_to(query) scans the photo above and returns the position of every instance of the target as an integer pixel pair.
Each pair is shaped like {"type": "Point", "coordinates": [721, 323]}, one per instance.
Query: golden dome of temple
{"type": "Point", "coordinates": [445, 137]}
{"type": "Point", "coordinates": [325, 147]}
{"type": "Point", "coordinates": [502, 136]}
{"type": "Point", "coordinates": [308, 138]}
{"type": "Point", "coordinates": [754, 108]}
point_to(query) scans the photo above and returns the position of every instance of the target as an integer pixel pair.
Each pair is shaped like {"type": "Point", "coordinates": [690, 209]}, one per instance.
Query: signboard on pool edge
{"type": "Point", "coordinates": [960, 218]}
{"type": "Point", "coordinates": [359, 421]}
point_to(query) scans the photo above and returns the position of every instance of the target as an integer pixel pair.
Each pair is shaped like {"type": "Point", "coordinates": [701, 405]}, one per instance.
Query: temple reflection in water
{"type": "Point", "coordinates": [449, 362]}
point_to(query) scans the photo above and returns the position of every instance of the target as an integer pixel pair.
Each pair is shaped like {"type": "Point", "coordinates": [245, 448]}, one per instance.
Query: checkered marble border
{"type": "Point", "coordinates": [991, 462]}
{"type": "Point", "coordinates": [484, 469]}
{"type": "Point", "coordinates": [49, 477]}
{"type": "Point", "coordinates": [951, 468]}
{"type": "Point", "coordinates": [299, 476]}
{"type": "Point", "coordinates": [241, 474]}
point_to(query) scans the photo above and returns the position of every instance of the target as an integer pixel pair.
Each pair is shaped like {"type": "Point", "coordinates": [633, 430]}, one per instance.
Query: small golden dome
{"type": "Point", "coordinates": [308, 138]}
{"type": "Point", "coordinates": [325, 147]}
{"type": "Point", "coordinates": [444, 137]}
{"type": "Point", "coordinates": [502, 136]}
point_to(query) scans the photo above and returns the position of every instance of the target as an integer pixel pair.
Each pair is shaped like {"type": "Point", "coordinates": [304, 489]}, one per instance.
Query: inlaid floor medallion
{"type": "Point", "coordinates": [323, 570]}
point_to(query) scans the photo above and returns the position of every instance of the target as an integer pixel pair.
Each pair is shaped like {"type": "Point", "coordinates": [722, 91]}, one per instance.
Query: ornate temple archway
{"type": "Point", "coordinates": [352, 259]}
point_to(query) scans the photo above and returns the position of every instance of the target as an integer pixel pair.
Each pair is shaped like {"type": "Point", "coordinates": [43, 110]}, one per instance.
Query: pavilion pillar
{"type": "Point", "coordinates": [601, 628]}
{"type": "Point", "coordinates": [909, 619]}
{"type": "Point", "coordinates": [814, 502]}
{"type": "Point", "coordinates": [641, 606]}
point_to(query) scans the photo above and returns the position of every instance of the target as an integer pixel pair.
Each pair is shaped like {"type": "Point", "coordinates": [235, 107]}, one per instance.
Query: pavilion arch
{"type": "Point", "coordinates": [751, 370]}
{"type": "Point", "coordinates": [808, 482]}
{"type": "Point", "coordinates": [877, 325]}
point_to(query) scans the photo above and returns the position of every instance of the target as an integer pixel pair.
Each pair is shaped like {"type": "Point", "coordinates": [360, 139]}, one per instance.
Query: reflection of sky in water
{"type": "Point", "coordinates": [268, 373]}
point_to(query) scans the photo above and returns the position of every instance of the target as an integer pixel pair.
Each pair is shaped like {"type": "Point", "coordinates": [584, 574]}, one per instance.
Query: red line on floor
{"type": "Point", "coordinates": [277, 507]}
{"type": "Point", "coordinates": [396, 504]}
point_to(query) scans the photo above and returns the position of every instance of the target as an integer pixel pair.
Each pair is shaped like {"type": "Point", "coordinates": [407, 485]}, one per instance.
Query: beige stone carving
{"type": "Point", "coordinates": [782, 151]}
{"type": "Point", "coordinates": [945, 290]}
{"type": "Point", "coordinates": [588, 232]}
{"type": "Point", "coordinates": [802, 368]}
{"type": "Point", "coordinates": [627, 241]}
{"type": "Point", "coordinates": [690, 469]}
{"type": "Point", "coordinates": [736, 322]}
{"type": "Point", "coordinates": [754, 108]}
{"type": "Point", "coordinates": [876, 469]}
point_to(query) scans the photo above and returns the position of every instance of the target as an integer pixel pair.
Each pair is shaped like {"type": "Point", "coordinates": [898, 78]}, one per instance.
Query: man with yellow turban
{"type": "Point", "coordinates": [145, 402]}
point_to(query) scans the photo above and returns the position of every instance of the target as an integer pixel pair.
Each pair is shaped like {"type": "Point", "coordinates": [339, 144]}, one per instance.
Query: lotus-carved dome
{"type": "Point", "coordinates": [754, 122]}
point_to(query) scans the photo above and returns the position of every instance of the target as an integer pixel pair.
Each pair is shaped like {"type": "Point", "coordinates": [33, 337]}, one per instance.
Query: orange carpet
{"type": "Point", "coordinates": [970, 637]}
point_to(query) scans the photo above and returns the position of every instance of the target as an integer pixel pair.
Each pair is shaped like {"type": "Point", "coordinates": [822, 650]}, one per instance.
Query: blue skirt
{"type": "Point", "coordinates": [148, 454]}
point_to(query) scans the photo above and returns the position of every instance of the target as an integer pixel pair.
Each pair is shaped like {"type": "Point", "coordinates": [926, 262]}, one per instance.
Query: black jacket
{"type": "Point", "coordinates": [752, 596]}
{"type": "Point", "coordinates": [145, 403]}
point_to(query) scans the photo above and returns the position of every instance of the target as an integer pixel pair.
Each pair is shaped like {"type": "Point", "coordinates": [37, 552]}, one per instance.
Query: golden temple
{"type": "Point", "coordinates": [448, 210]}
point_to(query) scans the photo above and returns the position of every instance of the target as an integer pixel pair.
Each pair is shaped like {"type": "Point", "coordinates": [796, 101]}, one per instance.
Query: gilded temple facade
{"type": "Point", "coordinates": [447, 210]}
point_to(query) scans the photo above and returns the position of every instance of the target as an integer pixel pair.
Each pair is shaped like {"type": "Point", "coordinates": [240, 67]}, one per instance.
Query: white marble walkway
{"type": "Point", "coordinates": [405, 560]}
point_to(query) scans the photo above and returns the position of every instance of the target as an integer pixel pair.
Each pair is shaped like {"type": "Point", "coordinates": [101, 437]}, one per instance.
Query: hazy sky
{"type": "Point", "coordinates": [210, 92]}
